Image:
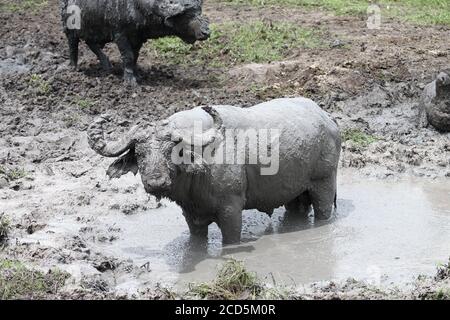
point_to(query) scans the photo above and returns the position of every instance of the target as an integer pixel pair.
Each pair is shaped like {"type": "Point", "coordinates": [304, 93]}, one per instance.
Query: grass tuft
{"type": "Point", "coordinates": [84, 103]}
{"type": "Point", "coordinates": [12, 174]}
{"type": "Point", "coordinates": [43, 87]}
{"type": "Point", "coordinates": [233, 281]}
{"type": "Point", "coordinates": [358, 137]}
{"type": "Point", "coordinates": [19, 282]}
{"type": "Point", "coordinates": [441, 294]}
{"type": "Point", "coordinates": [443, 271]}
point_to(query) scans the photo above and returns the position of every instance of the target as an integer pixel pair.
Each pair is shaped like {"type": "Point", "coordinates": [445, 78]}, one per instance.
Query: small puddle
{"type": "Point", "coordinates": [383, 231]}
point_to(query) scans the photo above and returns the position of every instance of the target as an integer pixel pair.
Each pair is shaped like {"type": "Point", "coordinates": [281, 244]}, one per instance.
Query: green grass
{"type": "Point", "coordinates": [13, 173]}
{"type": "Point", "coordinates": [428, 12]}
{"type": "Point", "coordinates": [20, 282]}
{"type": "Point", "coordinates": [42, 86]}
{"type": "Point", "coordinates": [22, 5]}
{"type": "Point", "coordinates": [417, 11]}
{"type": "Point", "coordinates": [443, 271]}
{"type": "Point", "coordinates": [441, 294]}
{"type": "Point", "coordinates": [5, 227]}
{"type": "Point", "coordinates": [233, 281]}
{"type": "Point", "coordinates": [358, 137]}
{"type": "Point", "coordinates": [84, 103]}
{"type": "Point", "coordinates": [233, 43]}
{"type": "Point", "coordinates": [338, 6]}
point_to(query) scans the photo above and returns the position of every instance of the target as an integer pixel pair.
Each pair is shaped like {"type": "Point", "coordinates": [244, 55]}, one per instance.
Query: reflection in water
{"type": "Point", "coordinates": [399, 229]}
{"type": "Point", "coordinates": [193, 250]}
{"type": "Point", "coordinates": [438, 197]}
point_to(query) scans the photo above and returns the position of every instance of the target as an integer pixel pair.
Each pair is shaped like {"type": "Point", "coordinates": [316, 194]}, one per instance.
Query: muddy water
{"type": "Point", "coordinates": [383, 231]}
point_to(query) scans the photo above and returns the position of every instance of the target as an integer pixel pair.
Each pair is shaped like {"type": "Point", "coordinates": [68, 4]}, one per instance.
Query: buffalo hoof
{"type": "Point", "coordinates": [130, 80]}
{"type": "Point", "coordinates": [74, 67]}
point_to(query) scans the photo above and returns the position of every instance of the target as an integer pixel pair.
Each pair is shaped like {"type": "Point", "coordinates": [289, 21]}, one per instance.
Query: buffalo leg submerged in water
{"type": "Point", "coordinates": [300, 205]}
{"type": "Point", "coordinates": [323, 195]}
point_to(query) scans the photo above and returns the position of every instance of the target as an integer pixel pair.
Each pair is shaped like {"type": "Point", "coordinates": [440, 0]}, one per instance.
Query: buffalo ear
{"type": "Point", "coordinates": [123, 165]}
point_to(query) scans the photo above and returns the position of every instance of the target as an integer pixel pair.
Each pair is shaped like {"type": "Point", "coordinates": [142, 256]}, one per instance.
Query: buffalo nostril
{"type": "Point", "coordinates": [205, 35]}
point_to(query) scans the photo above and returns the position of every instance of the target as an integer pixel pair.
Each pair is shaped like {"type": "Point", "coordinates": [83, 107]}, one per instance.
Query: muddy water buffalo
{"type": "Point", "coordinates": [129, 23]}
{"type": "Point", "coordinates": [435, 104]}
{"type": "Point", "coordinates": [304, 147]}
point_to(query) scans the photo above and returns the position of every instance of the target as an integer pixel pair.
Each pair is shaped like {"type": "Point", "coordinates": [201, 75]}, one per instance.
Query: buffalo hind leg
{"type": "Point", "coordinates": [104, 61]}
{"type": "Point", "coordinates": [230, 223]}
{"type": "Point", "coordinates": [300, 205]}
{"type": "Point", "coordinates": [136, 49]}
{"type": "Point", "coordinates": [323, 196]}
{"type": "Point", "coordinates": [127, 53]}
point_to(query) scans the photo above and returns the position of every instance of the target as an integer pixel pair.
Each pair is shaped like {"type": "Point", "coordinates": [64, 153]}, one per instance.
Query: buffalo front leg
{"type": "Point", "coordinates": [136, 49]}
{"type": "Point", "coordinates": [126, 51]}
{"type": "Point", "coordinates": [197, 229]}
{"type": "Point", "coordinates": [230, 222]}
{"type": "Point", "coordinates": [73, 41]}
{"type": "Point", "coordinates": [104, 61]}
{"type": "Point", "coordinates": [323, 197]}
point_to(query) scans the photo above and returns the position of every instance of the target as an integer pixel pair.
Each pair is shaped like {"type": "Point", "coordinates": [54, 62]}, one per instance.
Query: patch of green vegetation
{"type": "Point", "coordinates": [23, 5]}
{"type": "Point", "coordinates": [337, 6]}
{"type": "Point", "coordinates": [418, 11]}
{"type": "Point", "coordinates": [14, 173]}
{"type": "Point", "coordinates": [358, 137]}
{"type": "Point", "coordinates": [43, 87]}
{"type": "Point", "coordinates": [20, 282]}
{"type": "Point", "coordinates": [5, 227]}
{"type": "Point", "coordinates": [84, 103]}
{"type": "Point", "coordinates": [443, 271]}
{"type": "Point", "coordinates": [232, 43]}
{"type": "Point", "coordinates": [427, 12]}
{"type": "Point", "coordinates": [440, 294]}
{"type": "Point", "coordinates": [233, 281]}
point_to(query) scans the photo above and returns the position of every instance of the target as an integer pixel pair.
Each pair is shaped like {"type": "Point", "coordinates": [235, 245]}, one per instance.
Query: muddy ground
{"type": "Point", "coordinates": [368, 80]}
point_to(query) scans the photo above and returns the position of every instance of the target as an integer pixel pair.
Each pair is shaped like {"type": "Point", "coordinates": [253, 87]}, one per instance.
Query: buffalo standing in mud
{"type": "Point", "coordinates": [309, 146]}
{"type": "Point", "coordinates": [129, 23]}
{"type": "Point", "coordinates": [435, 104]}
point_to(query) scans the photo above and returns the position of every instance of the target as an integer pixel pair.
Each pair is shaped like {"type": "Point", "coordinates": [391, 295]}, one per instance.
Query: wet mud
{"type": "Point", "coordinates": [393, 218]}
